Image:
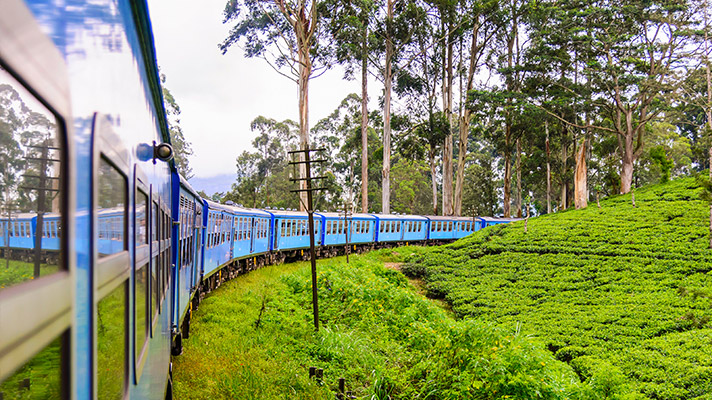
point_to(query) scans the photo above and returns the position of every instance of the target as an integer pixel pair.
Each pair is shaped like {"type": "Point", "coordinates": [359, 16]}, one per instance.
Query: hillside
{"type": "Point", "coordinates": [253, 339]}
{"type": "Point", "coordinates": [619, 293]}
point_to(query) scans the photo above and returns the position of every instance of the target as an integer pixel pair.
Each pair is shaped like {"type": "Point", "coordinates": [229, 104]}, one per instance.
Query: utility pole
{"type": "Point", "coordinates": [42, 189]}
{"type": "Point", "coordinates": [307, 161]}
{"type": "Point", "coordinates": [347, 211]}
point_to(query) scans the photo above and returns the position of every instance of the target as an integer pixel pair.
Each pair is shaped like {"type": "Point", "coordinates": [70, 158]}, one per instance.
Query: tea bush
{"type": "Point", "coordinates": [600, 287]}
{"type": "Point", "coordinates": [376, 331]}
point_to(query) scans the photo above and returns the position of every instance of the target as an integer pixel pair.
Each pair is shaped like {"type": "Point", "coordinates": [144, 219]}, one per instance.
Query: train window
{"type": "Point", "coordinates": [140, 309]}
{"type": "Point", "coordinates": [111, 203]}
{"type": "Point", "coordinates": [155, 285]}
{"type": "Point", "coordinates": [111, 344]}
{"type": "Point", "coordinates": [141, 211]}
{"type": "Point", "coordinates": [39, 378]}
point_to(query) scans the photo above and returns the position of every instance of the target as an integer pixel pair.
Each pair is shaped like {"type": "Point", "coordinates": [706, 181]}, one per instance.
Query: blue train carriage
{"type": "Point", "coordinates": [96, 323]}
{"type": "Point", "coordinates": [219, 222]}
{"type": "Point", "coordinates": [188, 211]}
{"type": "Point", "coordinates": [291, 233]}
{"type": "Point", "coordinates": [17, 233]}
{"type": "Point", "coordinates": [400, 228]}
{"type": "Point", "coordinates": [251, 235]}
{"type": "Point", "coordinates": [361, 229]}
{"type": "Point", "coordinates": [451, 228]}
{"type": "Point", "coordinates": [489, 221]}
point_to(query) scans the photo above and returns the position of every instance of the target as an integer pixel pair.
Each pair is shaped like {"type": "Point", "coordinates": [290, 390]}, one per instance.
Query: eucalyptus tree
{"type": "Point", "coordinates": [181, 147]}
{"type": "Point", "coordinates": [637, 50]}
{"type": "Point", "coordinates": [511, 40]}
{"type": "Point", "coordinates": [557, 85]}
{"type": "Point", "coordinates": [396, 25]}
{"type": "Point", "coordinates": [287, 34]}
{"type": "Point", "coordinates": [426, 125]}
{"type": "Point", "coordinates": [480, 21]}
{"type": "Point", "coordinates": [351, 24]}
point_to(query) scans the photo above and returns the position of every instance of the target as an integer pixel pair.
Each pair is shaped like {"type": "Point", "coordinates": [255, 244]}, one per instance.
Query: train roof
{"type": "Point", "coordinates": [400, 217]}
{"type": "Point", "coordinates": [496, 219]}
{"type": "Point", "coordinates": [184, 183]}
{"type": "Point", "coordinates": [217, 206]}
{"type": "Point", "coordinates": [341, 215]}
{"type": "Point", "coordinates": [249, 211]}
{"type": "Point", "coordinates": [450, 218]}
{"type": "Point", "coordinates": [288, 213]}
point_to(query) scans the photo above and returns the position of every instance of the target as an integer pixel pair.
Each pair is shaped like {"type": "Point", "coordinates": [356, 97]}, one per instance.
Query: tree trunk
{"type": "Point", "coordinates": [709, 102]}
{"type": "Point", "coordinates": [304, 74]}
{"type": "Point", "coordinates": [548, 169]}
{"type": "Point", "coordinates": [519, 179]}
{"type": "Point", "coordinates": [507, 176]}
{"type": "Point", "coordinates": [627, 165]}
{"type": "Point", "coordinates": [364, 123]}
{"type": "Point", "coordinates": [580, 178]}
{"type": "Point", "coordinates": [511, 41]}
{"type": "Point", "coordinates": [447, 148]}
{"type": "Point", "coordinates": [465, 122]}
{"type": "Point", "coordinates": [431, 156]}
{"type": "Point", "coordinates": [564, 156]}
{"type": "Point", "coordinates": [388, 79]}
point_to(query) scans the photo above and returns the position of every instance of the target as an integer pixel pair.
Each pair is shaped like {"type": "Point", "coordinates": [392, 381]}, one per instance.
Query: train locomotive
{"type": "Point", "coordinates": [106, 249]}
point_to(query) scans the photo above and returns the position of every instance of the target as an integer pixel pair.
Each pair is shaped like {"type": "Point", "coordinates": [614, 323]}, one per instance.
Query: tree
{"type": "Point", "coordinates": [481, 14]}
{"type": "Point", "coordinates": [287, 35]}
{"type": "Point", "coordinates": [181, 147]}
{"type": "Point", "coordinates": [634, 52]}
{"type": "Point", "coordinates": [350, 25]}
{"type": "Point", "coordinates": [395, 30]}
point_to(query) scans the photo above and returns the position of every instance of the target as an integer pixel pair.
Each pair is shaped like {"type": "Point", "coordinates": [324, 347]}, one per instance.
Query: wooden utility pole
{"type": "Point", "coordinates": [42, 189]}
{"type": "Point", "coordinates": [306, 162]}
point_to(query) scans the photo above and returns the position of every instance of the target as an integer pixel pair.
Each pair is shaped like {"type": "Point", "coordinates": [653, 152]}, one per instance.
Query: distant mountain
{"type": "Point", "coordinates": [210, 185]}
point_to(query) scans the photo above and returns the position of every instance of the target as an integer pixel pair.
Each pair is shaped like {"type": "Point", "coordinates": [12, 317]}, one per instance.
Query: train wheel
{"type": "Point", "coordinates": [177, 348]}
{"type": "Point", "coordinates": [169, 384]}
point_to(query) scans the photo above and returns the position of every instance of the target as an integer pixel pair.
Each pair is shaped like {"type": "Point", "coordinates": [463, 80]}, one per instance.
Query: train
{"type": "Point", "coordinates": [106, 249]}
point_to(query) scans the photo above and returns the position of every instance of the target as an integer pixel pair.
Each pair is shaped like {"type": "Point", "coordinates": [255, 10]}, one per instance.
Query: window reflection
{"type": "Point", "coordinates": [111, 210]}
{"type": "Point", "coordinates": [39, 378]}
{"type": "Point", "coordinates": [141, 290]}
{"type": "Point", "coordinates": [30, 197]}
{"type": "Point", "coordinates": [111, 344]}
{"type": "Point", "coordinates": [141, 221]}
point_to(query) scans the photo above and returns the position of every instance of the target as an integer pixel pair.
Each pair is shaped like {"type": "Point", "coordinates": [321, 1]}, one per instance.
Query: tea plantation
{"type": "Point", "coordinates": [620, 293]}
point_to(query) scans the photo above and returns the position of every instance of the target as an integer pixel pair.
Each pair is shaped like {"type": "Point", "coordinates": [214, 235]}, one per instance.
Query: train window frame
{"type": "Point", "coordinates": [112, 271]}
{"type": "Point", "coordinates": [26, 316]}
{"type": "Point", "coordinates": [142, 257]}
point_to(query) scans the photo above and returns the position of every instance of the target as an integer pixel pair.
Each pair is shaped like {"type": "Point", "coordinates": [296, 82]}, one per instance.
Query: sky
{"type": "Point", "coordinates": [219, 95]}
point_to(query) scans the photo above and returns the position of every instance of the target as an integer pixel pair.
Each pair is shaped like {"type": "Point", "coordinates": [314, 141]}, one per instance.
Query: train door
{"type": "Point", "coordinates": [36, 297]}
{"type": "Point", "coordinates": [253, 233]}
{"type": "Point", "coordinates": [234, 225]}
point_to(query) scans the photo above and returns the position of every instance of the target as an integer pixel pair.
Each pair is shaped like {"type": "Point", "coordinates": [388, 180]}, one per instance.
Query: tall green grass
{"type": "Point", "coordinates": [377, 332]}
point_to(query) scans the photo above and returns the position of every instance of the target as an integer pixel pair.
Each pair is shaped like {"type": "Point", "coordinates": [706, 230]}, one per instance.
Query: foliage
{"type": "Point", "coordinates": [376, 331]}
{"type": "Point", "coordinates": [181, 147]}
{"type": "Point", "coordinates": [600, 287]}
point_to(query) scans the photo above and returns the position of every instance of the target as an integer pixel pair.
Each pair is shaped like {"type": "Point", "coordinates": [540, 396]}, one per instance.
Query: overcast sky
{"type": "Point", "coordinates": [219, 95]}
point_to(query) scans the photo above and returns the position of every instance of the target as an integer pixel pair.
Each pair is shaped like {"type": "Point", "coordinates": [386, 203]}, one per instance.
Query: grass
{"type": "Point", "coordinates": [39, 378]}
{"type": "Point", "coordinates": [619, 293]}
{"type": "Point", "coordinates": [19, 271]}
{"type": "Point", "coordinates": [253, 339]}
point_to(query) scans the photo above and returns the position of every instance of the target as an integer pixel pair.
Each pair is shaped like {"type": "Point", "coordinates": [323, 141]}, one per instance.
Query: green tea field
{"type": "Point", "coordinates": [621, 293]}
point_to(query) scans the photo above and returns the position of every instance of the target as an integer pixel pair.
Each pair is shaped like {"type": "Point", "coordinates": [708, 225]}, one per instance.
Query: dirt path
{"type": "Point", "coordinates": [419, 285]}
